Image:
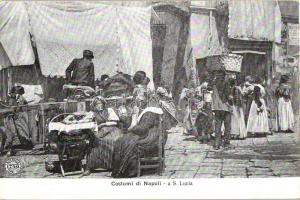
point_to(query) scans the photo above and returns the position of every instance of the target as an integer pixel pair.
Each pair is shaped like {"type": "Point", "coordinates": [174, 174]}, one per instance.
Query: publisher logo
{"type": "Point", "coordinates": [13, 165]}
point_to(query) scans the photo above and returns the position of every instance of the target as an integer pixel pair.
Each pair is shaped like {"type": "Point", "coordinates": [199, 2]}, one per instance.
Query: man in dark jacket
{"type": "Point", "coordinates": [81, 71]}
{"type": "Point", "coordinates": [221, 106]}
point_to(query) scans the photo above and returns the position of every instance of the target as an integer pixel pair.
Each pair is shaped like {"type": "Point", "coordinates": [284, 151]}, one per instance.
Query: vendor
{"type": "Point", "coordinates": [16, 124]}
{"type": "Point", "coordinates": [81, 71]}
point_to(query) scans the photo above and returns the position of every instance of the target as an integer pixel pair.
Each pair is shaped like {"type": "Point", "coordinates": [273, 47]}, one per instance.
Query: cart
{"type": "Point", "coordinates": [68, 144]}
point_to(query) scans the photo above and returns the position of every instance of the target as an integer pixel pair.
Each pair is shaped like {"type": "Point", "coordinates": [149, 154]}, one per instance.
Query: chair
{"type": "Point", "coordinates": [153, 162]}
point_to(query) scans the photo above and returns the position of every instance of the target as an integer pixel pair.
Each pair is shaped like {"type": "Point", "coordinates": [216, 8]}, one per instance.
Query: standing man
{"type": "Point", "coordinates": [221, 106]}
{"type": "Point", "coordinates": [81, 71]}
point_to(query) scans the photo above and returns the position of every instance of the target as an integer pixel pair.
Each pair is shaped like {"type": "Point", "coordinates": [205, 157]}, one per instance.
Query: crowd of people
{"type": "Point", "coordinates": [220, 109]}
{"type": "Point", "coordinates": [228, 109]}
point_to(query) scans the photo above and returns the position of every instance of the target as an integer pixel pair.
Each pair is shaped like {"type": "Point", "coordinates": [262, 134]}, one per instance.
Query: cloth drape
{"type": "Point", "coordinates": [119, 36]}
{"type": "Point", "coordinates": [204, 36]}
{"type": "Point", "coordinates": [14, 33]}
{"type": "Point", "coordinates": [254, 20]}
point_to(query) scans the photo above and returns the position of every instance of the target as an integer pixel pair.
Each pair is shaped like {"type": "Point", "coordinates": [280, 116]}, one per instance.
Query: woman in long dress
{"type": "Point", "coordinates": [102, 147]}
{"type": "Point", "coordinates": [142, 139]}
{"type": "Point", "coordinates": [258, 116]}
{"type": "Point", "coordinates": [17, 124]}
{"type": "Point", "coordinates": [284, 109]}
{"type": "Point", "coordinates": [238, 127]}
{"type": "Point", "coordinates": [184, 107]}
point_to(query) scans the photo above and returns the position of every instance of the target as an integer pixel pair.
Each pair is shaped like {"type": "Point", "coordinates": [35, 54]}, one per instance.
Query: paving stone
{"type": "Point", "coordinates": [262, 163]}
{"type": "Point", "coordinates": [234, 169]}
{"type": "Point", "coordinates": [212, 160]}
{"type": "Point", "coordinates": [203, 175]}
{"type": "Point", "coordinates": [210, 165]}
{"type": "Point", "coordinates": [259, 171]}
{"type": "Point", "coordinates": [192, 151]}
{"type": "Point", "coordinates": [181, 168]}
{"type": "Point", "coordinates": [282, 165]}
{"type": "Point", "coordinates": [183, 174]}
{"type": "Point", "coordinates": [194, 158]}
{"type": "Point", "coordinates": [209, 170]}
{"type": "Point", "coordinates": [231, 173]}
{"type": "Point", "coordinates": [175, 160]}
{"type": "Point", "coordinates": [261, 176]}
{"type": "Point", "coordinates": [260, 141]}
{"type": "Point", "coordinates": [235, 166]}
{"type": "Point", "coordinates": [288, 175]}
{"type": "Point", "coordinates": [286, 172]}
{"type": "Point", "coordinates": [297, 163]}
{"type": "Point", "coordinates": [235, 161]}
{"type": "Point", "coordinates": [235, 176]}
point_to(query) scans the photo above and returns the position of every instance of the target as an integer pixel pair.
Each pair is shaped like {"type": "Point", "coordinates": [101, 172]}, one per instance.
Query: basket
{"type": "Point", "coordinates": [228, 62]}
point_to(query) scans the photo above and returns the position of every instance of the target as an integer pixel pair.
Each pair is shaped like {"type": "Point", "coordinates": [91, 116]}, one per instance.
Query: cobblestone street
{"type": "Point", "coordinates": [277, 155]}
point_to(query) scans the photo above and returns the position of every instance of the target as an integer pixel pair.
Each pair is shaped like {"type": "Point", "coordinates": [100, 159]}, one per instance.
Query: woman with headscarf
{"type": "Point", "coordinates": [258, 123]}
{"type": "Point", "coordinates": [185, 112]}
{"type": "Point", "coordinates": [102, 145]}
{"type": "Point", "coordinates": [139, 95]}
{"type": "Point", "coordinates": [142, 139]}
{"type": "Point", "coordinates": [284, 109]}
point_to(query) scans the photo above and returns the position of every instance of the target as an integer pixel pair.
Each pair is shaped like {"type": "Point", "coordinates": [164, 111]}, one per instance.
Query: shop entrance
{"type": "Point", "coordinates": [254, 65]}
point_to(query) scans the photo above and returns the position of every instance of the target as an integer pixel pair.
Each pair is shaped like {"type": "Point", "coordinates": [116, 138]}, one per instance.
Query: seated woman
{"type": "Point", "coordinates": [100, 154]}
{"type": "Point", "coordinates": [142, 138]}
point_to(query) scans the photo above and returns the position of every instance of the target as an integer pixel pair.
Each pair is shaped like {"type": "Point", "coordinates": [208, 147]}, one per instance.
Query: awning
{"type": "Point", "coordinates": [119, 36]}
{"type": "Point", "coordinates": [254, 20]}
{"type": "Point", "coordinates": [249, 51]}
{"type": "Point", "coordinates": [14, 33]}
{"type": "Point", "coordinates": [204, 36]}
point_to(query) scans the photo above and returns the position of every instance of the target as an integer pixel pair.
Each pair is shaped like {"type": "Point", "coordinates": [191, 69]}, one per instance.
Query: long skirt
{"type": "Point", "coordinates": [18, 126]}
{"type": "Point", "coordinates": [246, 108]}
{"type": "Point", "coordinates": [204, 123]}
{"type": "Point", "coordinates": [238, 127]}
{"type": "Point", "coordinates": [126, 152]}
{"type": "Point", "coordinates": [258, 121]}
{"type": "Point", "coordinates": [285, 115]}
{"type": "Point", "coordinates": [100, 156]}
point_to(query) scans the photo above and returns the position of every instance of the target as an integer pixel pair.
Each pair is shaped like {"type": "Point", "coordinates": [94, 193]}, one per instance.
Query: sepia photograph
{"type": "Point", "coordinates": [153, 92]}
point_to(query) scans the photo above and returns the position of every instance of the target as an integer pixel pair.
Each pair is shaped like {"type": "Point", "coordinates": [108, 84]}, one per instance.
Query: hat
{"type": "Point", "coordinates": [88, 54]}
{"type": "Point", "coordinates": [284, 78]}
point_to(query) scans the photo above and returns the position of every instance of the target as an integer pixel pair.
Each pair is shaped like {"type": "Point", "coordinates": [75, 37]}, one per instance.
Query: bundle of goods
{"type": "Point", "coordinates": [78, 92]}
{"type": "Point", "coordinates": [117, 85]}
{"type": "Point", "coordinates": [228, 62]}
{"type": "Point", "coordinates": [68, 141]}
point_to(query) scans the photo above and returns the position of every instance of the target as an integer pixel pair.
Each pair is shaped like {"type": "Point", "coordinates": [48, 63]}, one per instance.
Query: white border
{"type": "Point", "coordinates": [231, 188]}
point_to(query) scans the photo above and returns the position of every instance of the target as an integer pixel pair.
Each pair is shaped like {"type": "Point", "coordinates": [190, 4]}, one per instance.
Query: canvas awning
{"type": "Point", "coordinates": [204, 36]}
{"type": "Point", "coordinates": [119, 36]}
{"type": "Point", "coordinates": [14, 33]}
{"type": "Point", "coordinates": [254, 20]}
